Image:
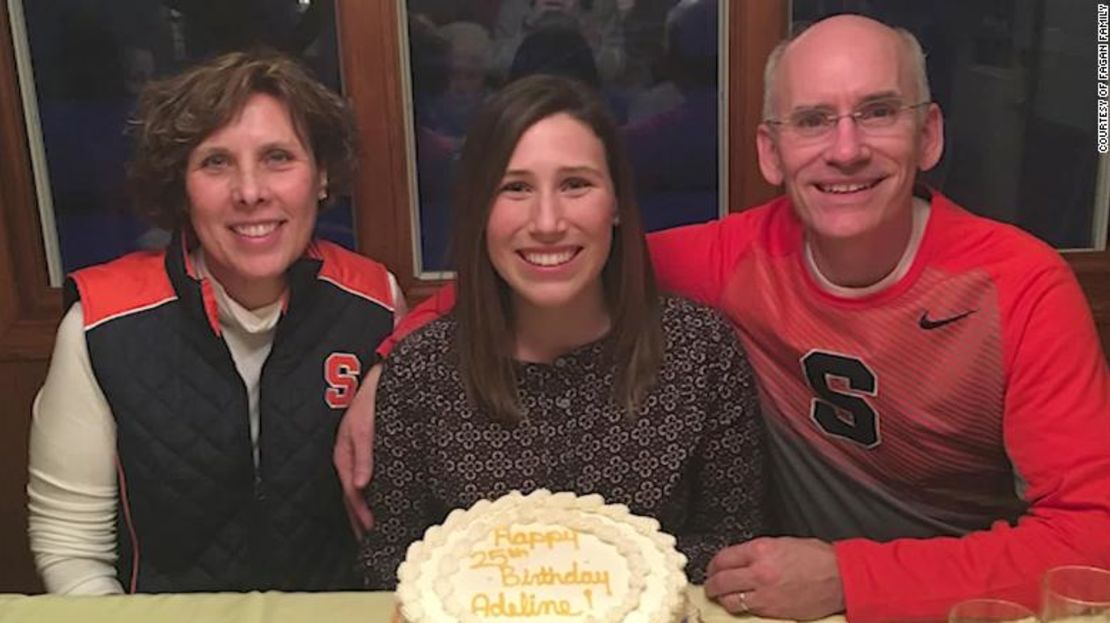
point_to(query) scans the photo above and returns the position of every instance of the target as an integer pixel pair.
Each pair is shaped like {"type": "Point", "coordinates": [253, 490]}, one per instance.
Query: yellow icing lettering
{"type": "Point", "coordinates": [548, 576]}
{"type": "Point", "coordinates": [479, 604]}
{"type": "Point", "coordinates": [534, 538]}
{"type": "Point", "coordinates": [526, 605]}
{"type": "Point", "coordinates": [495, 558]}
{"type": "Point", "coordinates": [509, 578]}
{"type": "Point", "coordinates": [502, 533]}
{"type": "Point", "coordinates": [477, 559]}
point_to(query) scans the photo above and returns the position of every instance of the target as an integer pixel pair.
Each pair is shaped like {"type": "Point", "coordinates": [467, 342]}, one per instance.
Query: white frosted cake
{"type": "Point", "coordinates": [543, 558]}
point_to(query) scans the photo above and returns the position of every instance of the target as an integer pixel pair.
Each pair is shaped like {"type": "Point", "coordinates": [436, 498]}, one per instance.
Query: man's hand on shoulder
{"type": "Point", "coordinates": [354, 456]}
{"type": "Point", "coordinates": [783, 578]}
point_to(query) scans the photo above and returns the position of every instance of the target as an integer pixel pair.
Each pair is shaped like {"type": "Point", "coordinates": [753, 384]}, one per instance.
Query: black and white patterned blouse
{"type": "Point", "coordinates": [692, 459]}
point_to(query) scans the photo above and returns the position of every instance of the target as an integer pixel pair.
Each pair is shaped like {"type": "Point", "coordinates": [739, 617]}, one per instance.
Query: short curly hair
{"type": "Point", "coordinates": [176, 114]}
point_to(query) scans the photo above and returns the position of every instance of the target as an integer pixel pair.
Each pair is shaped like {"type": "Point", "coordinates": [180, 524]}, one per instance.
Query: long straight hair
{"type": "Point", "coordinates": [484, 308]}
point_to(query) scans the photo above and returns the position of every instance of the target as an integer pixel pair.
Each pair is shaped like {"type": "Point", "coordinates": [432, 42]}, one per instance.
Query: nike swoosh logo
{"type": "Point", "coordinates": [929, 324]}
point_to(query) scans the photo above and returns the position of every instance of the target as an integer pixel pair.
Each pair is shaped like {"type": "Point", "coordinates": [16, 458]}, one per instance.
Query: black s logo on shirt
{"type": "Point", "coordinates": [830, 407]}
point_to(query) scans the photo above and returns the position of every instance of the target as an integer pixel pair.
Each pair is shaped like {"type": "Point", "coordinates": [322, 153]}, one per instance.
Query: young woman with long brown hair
{"type": "Point", "coordinates": [561, 366]}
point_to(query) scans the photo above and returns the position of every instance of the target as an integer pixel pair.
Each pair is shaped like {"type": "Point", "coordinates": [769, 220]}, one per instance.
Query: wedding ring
{"type": "Point", "coordinates": [743, 602]}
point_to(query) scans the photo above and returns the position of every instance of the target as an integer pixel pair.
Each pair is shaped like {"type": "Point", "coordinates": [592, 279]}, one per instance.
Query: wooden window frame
{"type": "Point", "coordinates": [29, 308]}
{"type": "Point", "coordinates": [370, 53]}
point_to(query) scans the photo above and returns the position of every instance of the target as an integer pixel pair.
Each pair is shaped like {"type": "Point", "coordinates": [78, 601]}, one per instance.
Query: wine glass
{"type": "Point", "coordinates": [990, 611]}
{"type": "Point", "coordinates": [1075, 593]}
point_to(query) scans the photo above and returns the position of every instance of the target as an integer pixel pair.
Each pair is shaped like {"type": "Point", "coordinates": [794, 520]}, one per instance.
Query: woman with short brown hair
{"type": "Point", "coordinates": [182, 439]}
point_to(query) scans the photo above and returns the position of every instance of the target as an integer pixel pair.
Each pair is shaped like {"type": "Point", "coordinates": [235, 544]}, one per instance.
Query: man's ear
{"type": "Point", "coordinates": [932, 138]}
{"type": "Point", "coordinates": [770, 162]}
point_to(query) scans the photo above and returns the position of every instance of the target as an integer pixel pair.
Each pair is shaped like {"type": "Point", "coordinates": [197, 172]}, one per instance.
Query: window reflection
{"type": "Point", "coordinates": [90, 59]}
{"type": "Point", "coordinates": [1013, 78]}
{"type": "Point", "coordinates": [655, 62]}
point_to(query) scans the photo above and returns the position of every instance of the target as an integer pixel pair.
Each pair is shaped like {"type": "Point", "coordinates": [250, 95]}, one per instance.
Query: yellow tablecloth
{"type": "Point", "coordinates": [200, 608]}
{"type": "Point", "coordinates": [246, 608]}
{"type": "Point", "coordinates": [710, 612]}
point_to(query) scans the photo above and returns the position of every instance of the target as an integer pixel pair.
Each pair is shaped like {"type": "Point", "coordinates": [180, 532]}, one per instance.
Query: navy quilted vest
{"type": "Point", "coordinates": [195, 512]}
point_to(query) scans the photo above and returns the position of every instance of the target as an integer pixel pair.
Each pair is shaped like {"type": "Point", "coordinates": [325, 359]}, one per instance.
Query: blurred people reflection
{"type": "Point", "coordinates": [91, 58]}
{"type": "Point", "coordinates": [653, 61]}
{"type": "Point", "coordinates": [429, 54]}
{"type": "Point", "coordinates": [482, 12]}
{"type": "Point", "coordinates": [674, 152]}
{"type": "Point", "coordinates": [469, 59]}
{"type": "Point", "coordinates": [555, 46]}
{"type": "Point", "coordinates": [599, 22]}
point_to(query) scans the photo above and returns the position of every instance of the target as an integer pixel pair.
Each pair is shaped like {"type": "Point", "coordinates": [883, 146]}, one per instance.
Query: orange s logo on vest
{"type": "Point", "coordinates": [341, 371]}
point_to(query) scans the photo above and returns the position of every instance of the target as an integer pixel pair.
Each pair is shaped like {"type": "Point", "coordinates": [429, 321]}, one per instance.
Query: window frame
{"type": "Point", "coordinates": [29, 308]}
{"type": "Point", "coordinates": [374, 81]}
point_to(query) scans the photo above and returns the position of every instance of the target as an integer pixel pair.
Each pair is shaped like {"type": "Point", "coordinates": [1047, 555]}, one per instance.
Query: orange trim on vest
{"type": "Point", "coordinates": [190, 268]}
{"type": "Point", "coordinates": [126, 504]}
{"type": "Point", "coordinates": [211, 306]}
{"type": "Point", "coordinates": [353, 273]}
{"type": "Point", "coordinates": [132, 283]}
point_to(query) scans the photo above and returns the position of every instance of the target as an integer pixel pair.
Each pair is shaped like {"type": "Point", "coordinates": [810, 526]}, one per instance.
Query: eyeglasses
{"type": "Point", "coordinates": [817, 123]}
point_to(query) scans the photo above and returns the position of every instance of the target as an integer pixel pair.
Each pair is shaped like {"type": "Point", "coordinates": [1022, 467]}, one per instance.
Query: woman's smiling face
{"type": "Point", "coordinates": [253, 187]}
{"type": "Point", "coordinates": [551, 223]}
